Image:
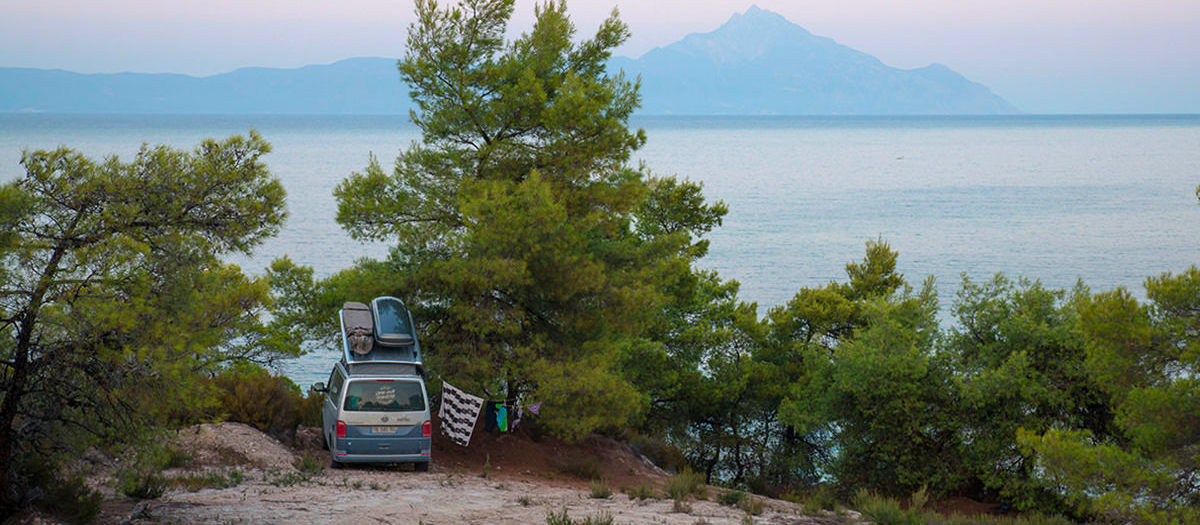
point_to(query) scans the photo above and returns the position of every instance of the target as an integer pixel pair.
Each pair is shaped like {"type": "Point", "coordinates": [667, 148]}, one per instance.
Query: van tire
{"type": "Point", "coordinates": [335, 464]}
{"type": "Point", "coordinates": [421, 467]}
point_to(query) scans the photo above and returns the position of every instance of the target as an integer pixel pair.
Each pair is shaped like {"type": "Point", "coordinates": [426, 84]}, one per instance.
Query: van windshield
{"type": "Point", "coordinates": [384, 395]}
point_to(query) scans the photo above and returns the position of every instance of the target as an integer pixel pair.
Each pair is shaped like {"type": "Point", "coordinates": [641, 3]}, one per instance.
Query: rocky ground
{"type": "Point", "coordinates": [499, 480]}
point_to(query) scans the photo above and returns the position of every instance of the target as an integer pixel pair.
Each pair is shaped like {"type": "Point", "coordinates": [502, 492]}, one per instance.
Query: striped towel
{"type": "Point", "coordinates": [458, 413]}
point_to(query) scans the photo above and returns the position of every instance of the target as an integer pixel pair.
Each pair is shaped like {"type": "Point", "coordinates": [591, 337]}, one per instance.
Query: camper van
{"type": "Point", "coordinates": [376, 409]}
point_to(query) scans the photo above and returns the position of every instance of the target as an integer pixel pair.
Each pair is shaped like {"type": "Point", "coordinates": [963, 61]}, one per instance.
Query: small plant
{"type": "Point", "coordinates": [643, 491]}
{"type": "Point", "coordinates": [751, 505]}
{"type": "Point", "coordinates": [581, 468]}
{"type": "Point", "coordinates": [819, 498]}
{"type": "Point", "coordinates": [600, 489]}
{"type": "Point", "coordinates": [919, 499]}
{"type": "Point", "coordinates": [884, 510]}
{"type": "Point", "coordinates": [211, 480]}
{"type": "Point", "coordinates": [309, 465]}
{"type": "Point", "coordinates": [685, 484]}
{"type": "Point", "coordinates": [560, 518]}
{"type": "Point", "coordinates": [603, 518]}
{"type": "Point", "coordinates": [140, 484]}
{"type": "Point", "coordinates": [732, 498]}
{"type": "Point", "coordinates": [72, 500]}
{"type": "Point", "coordinates": [681, 506]}
{"type": "Point", "coordinates": [487, 467]}
{"type": "Point", "coordinates": [287, 479]}
{"type": "Point", "coordinates": [747, 520]}
{"type": "Point", "coordinates": [357, 485]}
{"type": "Point", "coordinates": [375, 486]}
{"type": "Point", "coordinates": [524, 501]}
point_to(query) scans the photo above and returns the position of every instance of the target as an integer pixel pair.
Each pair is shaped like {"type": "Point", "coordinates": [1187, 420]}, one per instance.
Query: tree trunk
{"type": "Point", "coordinates": [17, 383]}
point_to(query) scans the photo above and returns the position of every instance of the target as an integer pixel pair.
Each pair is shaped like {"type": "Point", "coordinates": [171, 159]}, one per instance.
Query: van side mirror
{"type": "Point", "coordinates": [319, 387]}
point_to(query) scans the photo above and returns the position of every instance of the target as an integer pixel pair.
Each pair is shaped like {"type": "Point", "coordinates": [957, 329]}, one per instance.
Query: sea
{"type": "Point", "coordinates": [1107, 200]}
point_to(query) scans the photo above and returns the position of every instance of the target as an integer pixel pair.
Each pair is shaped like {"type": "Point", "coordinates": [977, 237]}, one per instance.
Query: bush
{"type": "Point", "coordinates": [663, 454]}
{"type": "Point", "coordinates": [884, 510]}
{"type": "Point", "coordinates": [72, 500]}
{"type": "Point", "coordinates": [211, 480]}
{"type": "Point", "coordinates": [820, 497]}
{"type": "Point", "coordinates": [272, 404]}
{"type": "Point", "coordinates": [731, 497]}
{"type": "Point", "coordinates": [600, 489]}
{"type": "Point", "coordinates": [751, 505]}
{"type": "Point", "coordinates": [141, 484]}
{"type": "Point", "coordinates": [685, 484]}
{"type": "Point", "coordinates": [582, 468]}
{"type": "Point", "coordinates": [309, 465]}
{"type": "Point", "coordinates": [560, 518]}
{"type": "Point", "coordinates": [642, 491]}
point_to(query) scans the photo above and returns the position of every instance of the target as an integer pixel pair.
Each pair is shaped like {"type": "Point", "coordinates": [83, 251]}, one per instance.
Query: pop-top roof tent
{"type": "Point", "coordinates": [380, 339]}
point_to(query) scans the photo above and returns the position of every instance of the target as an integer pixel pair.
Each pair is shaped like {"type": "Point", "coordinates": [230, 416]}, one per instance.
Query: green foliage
{"type": "Point", "coordinates": [272, 404]}
{"type": "Point", "coordinates": [141, 484]}
{"type": "Point", "coordinates": [879, 392]}
{"type": "Point", "coordinates": [310, 465]}
{"type": "Point", "coordinates": [587, 467]}
{"type": "Point", "coordinates": [113, 295]}
{"type": "Point", "coordinates": [1146, 358]}
{"type": "Point", "coordinates": [731, 497]}
{"type": "Point", "coordinates": [642, 491]}
{"type": "Point", "coordinates": [599, 489]}
{"type": "Point", "coordinates": [534, 258]}
{"type": "Point", "coordinates": [1020, 363]}
{"type": "Point", "coordinates": [685, 485]}
{"type": "Point", "coordinates": [558, 518]}
{"type": "Point", "coordinates": [208, 480]}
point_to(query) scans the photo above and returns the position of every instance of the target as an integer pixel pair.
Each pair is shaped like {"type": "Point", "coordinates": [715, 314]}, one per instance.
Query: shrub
{"type": "Point", "coordinates": [72, 500]}
{"type": "Point", "coordinates": [685, 484]}
{"type": "Point", "coordinates": [600, 489]}
{"type": "Point", "coordinates": [141, 484]}
{"type": "Point", "coordinates": [309, 465]}
{"type": "Point", "coordinates": [272, 404]}
{"type": "Point", "coordinates": [884, 510]}
{"type": "Point", "coordinates": [582, 468]}
{"type": "Point", "coordinates": [731, 497]}
{"type": "Point", "coordinates": [819, 498]}
{"type": "Point", "coordinates": [751, 505]}
{"type": "Point", "coordinates": [603, 518]}
{"type": "Point", "coordinates": [560, 518]}
{"type": "Point", "coordinates": [642, 491]}
{"type": "Point", "coordinates": [211, 480]}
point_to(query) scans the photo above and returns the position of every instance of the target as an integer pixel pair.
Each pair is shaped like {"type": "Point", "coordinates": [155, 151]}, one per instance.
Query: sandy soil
{"type": "Point", "coordinates": [525, 481]}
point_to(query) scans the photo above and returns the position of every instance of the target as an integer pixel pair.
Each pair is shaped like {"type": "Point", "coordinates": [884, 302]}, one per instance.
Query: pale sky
{"type": "Point", "coordinates": [1044, 56]}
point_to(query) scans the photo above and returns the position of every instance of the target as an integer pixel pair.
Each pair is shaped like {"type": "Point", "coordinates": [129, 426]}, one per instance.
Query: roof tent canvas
{"type": "Point", "coordinates": [358, 326]}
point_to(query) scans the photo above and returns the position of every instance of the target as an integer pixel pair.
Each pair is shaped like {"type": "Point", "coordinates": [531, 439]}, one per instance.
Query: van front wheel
{"type": "Point", "coordinates": [421, 467]}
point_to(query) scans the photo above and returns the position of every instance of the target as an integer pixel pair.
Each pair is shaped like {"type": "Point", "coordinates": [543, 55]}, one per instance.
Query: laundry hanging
{"type": "Point", "coordinates": [458, 413]}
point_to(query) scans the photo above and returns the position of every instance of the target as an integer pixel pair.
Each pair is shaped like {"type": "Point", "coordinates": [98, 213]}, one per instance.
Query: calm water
{"type": "Point", "coordinates": [1110, 200]}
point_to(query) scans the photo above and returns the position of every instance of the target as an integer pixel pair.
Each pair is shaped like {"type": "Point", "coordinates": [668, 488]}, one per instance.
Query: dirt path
{"type": "Point", "coordinates": [382, 496]}
{"type": "Point", "coordinates": [526, 481]}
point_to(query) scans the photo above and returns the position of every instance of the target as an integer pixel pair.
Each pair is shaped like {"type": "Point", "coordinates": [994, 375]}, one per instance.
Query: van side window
{"type": "Point", "coordinates": [336, 379]}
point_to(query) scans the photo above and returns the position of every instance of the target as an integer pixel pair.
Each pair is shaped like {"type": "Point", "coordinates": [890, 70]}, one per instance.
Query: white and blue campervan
{"type": "Point", "coordinates": [376, 409]}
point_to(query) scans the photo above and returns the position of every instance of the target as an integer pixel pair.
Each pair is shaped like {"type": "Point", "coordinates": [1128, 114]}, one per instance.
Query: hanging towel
{"type": "Point", "coordinates": [502, 417]}
{"type": "Point", "coordinates": [458, 413]}
{"type": "Point", "coordinates": [534, 408]}
{"type": "Point", "coordinates": [489, 416]}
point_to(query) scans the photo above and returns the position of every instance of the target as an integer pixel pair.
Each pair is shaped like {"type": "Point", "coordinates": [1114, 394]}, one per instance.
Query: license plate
{"type": "Point", "coordinates": [382, 430]}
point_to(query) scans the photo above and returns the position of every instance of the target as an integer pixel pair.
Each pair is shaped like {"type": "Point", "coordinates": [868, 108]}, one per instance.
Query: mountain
{"type": "Point", "coordinates": [757, 63]}
{"type": "Point", "coordinates": [352, 86]}
{"type": "Point", "coordinates": [760, 63]}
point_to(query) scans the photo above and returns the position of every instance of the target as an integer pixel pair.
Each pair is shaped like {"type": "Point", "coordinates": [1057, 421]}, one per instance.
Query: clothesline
{"type": "Point", "coordinates": [460, 411]}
